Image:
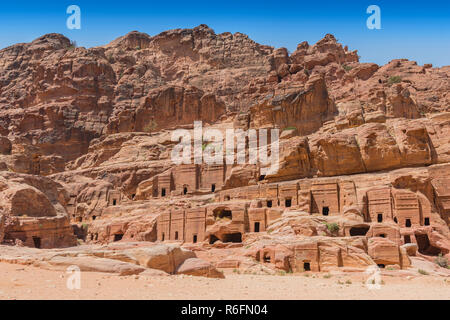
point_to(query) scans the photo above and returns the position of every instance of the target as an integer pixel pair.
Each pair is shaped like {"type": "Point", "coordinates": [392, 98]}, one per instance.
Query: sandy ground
{"type": "Point", "coordinates": [26, 282]}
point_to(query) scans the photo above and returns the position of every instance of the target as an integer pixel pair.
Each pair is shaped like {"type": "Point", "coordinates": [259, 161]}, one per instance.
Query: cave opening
{"type": "Point", "coordinates": [359, 231]}
{"type": "Point", "coordinates": [408, 223]}
{"type": "Point", "coordinates": [425, 247]}
{"type": "Point", "coordinates": [325, 211]}
{"type": "Point", "coordinates": [213, 239]}
{"type": "Point", "coordinates": [118, 237]}
{"type": "Point", "coordinates": [306, 266]}
{"type": "Point", "coordinates": [232, 237]}
{"type": "Point", "coordinates": [407, 239]}
{"type": "Point", "coordinates": [37, 242]}
{"type": "Point", "coordinates": [257, 226]}
{"type": "Point", "coordinates": [380, 218]}
{"type": "Point", "coordinates": [222, 213]}
{"type": "Point", "coordinates": [288, 202]}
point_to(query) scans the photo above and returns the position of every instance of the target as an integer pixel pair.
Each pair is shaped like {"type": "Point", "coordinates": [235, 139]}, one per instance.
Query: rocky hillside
{"type": "Point", "coordinates": [97, 124]}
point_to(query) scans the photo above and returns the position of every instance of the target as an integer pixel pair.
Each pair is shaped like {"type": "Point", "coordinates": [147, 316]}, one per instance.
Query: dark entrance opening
{"type": "Point", "coordinates": [380, 217]}
{"type": "Point", "coordinates": [325, 211]}
{"type": "Point", "coordinates": [176, 235]}
{"type": "Point", "coordinates": [213, 187]}
{"type": "Point", "coordinates": [227, 198]}
{"type": "Point", "coordinates": [118, 237]}
{"type": "Point", "coordinates": [382, 235]}
{"type": "Point", "coordinates": [427, 221]}
{"type": "Point", "coordinates": [194, 238]}
{"type": "Point", "coordinates": [212, 239]}
{"type": "Point", "coordinates": [359, 231]}
{"type": "Point", "coordinates": [269, 203]}
{"type": "Point", "coordinates": [222, 213]}
{"type": "Point", "coordinates": [163, 192]}
{"type": "Point", "coordinates": [407, 239]}
{"type": "Point", "coordinates": [114, 202]}
{"type": "Point", "coordinates": [163, 236]}
{"type": "Point", "coordinates": [37, 242]}
{"type": "Point", "coordinates": [408, 223]}
{"type": "Point", "coordinates": [395, 220]}
{"type": "Point", "coordinates": [94, 217]}
{"type": "Point", "coordinates": [306, 266]}
{"type": "Point", "coordinates": [256, 226]}
{"type": "Point", "coordinates": [287, 203]}
{"type": "Point", "coordinates": [232, 237]}
{"type": "Point", "coordinates": [381, 265]}
{"type": "Point", "coordinates": [424, 245]}
{"type": "Point", "coordinates": [185, 190]}
{"type": "Point", "coordinates": [262, 177]}
{"type": "Point", "coordinates": [266, 258]}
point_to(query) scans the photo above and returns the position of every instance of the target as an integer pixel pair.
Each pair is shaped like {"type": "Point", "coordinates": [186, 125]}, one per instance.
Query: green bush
{"type": "Point", "coordinates": [332, 227]}
{"type": "Point", "coordinates": [347, 68]}
{"type": "Point", "coordinates": [421, 271]}
{"type": "Point", "coordinates": [441, 261]}
{"type": "Point", "coordinates": [394, 79]}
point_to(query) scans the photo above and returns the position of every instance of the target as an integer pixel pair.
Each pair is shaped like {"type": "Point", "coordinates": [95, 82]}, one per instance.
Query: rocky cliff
{"type": "Point", "coordinates": [85, 134]}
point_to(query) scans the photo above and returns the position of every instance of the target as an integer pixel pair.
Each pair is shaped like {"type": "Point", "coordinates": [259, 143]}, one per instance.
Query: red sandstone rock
{"type": "Point", "coordinates": [198, 267]}
{"type": "Point", "coordinates": [364, 153]}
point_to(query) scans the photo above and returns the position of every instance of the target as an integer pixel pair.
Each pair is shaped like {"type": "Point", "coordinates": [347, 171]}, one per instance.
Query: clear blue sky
{"type": "Point", "coordinates": [417, 30]}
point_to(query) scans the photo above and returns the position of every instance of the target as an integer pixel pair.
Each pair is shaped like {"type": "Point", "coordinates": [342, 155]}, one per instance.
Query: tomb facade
{"type": "Point", "coordinates": [406, 209]}
{"type": "Point", "coordinates": [195, 225]}
{"type": "Point", "coordinates": [325, 198]}
{"type": "Point", "coordinates": [379, 204]}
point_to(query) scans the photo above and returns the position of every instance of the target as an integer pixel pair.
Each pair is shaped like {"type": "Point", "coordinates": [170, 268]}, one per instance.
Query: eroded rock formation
{"type": "Point", "coordinates": [85, 152]}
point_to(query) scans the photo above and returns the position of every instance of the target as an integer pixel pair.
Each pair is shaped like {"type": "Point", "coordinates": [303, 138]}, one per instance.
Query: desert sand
{"type": "Point", "coordinates": [27, 282]}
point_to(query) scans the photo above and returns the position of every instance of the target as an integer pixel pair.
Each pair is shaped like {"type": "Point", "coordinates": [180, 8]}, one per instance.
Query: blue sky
{"type": "Point", "coordinates": [416, 30]}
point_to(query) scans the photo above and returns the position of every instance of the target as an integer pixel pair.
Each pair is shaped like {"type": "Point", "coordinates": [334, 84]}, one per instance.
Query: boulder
{"type": "Point", "coordinates": [91, 264]}
{"type": "Point", "coordinates": [411, 248]}
{"type": "Point", "coordinates": [162, 257]}
{"type": "Point", "coordinates": [199, 267]}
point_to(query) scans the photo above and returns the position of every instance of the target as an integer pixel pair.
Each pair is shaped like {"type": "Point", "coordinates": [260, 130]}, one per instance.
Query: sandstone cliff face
{"type": "Point", "coordinates": [85, 139]}
{"type": "Point", "coordinates": [33, 212]}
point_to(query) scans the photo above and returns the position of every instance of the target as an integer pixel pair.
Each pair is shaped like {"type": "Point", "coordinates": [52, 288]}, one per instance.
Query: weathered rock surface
{"type": "Point", "coordinates": [85, 150]}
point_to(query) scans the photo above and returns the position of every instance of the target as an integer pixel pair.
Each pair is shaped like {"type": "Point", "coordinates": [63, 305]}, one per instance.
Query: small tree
{"type": "Point", "coordinates": [441, 261]}
{"type": "Point", "coordinates": [332, 227]}
{"type": "Point", "coordinates": [394, 79]}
